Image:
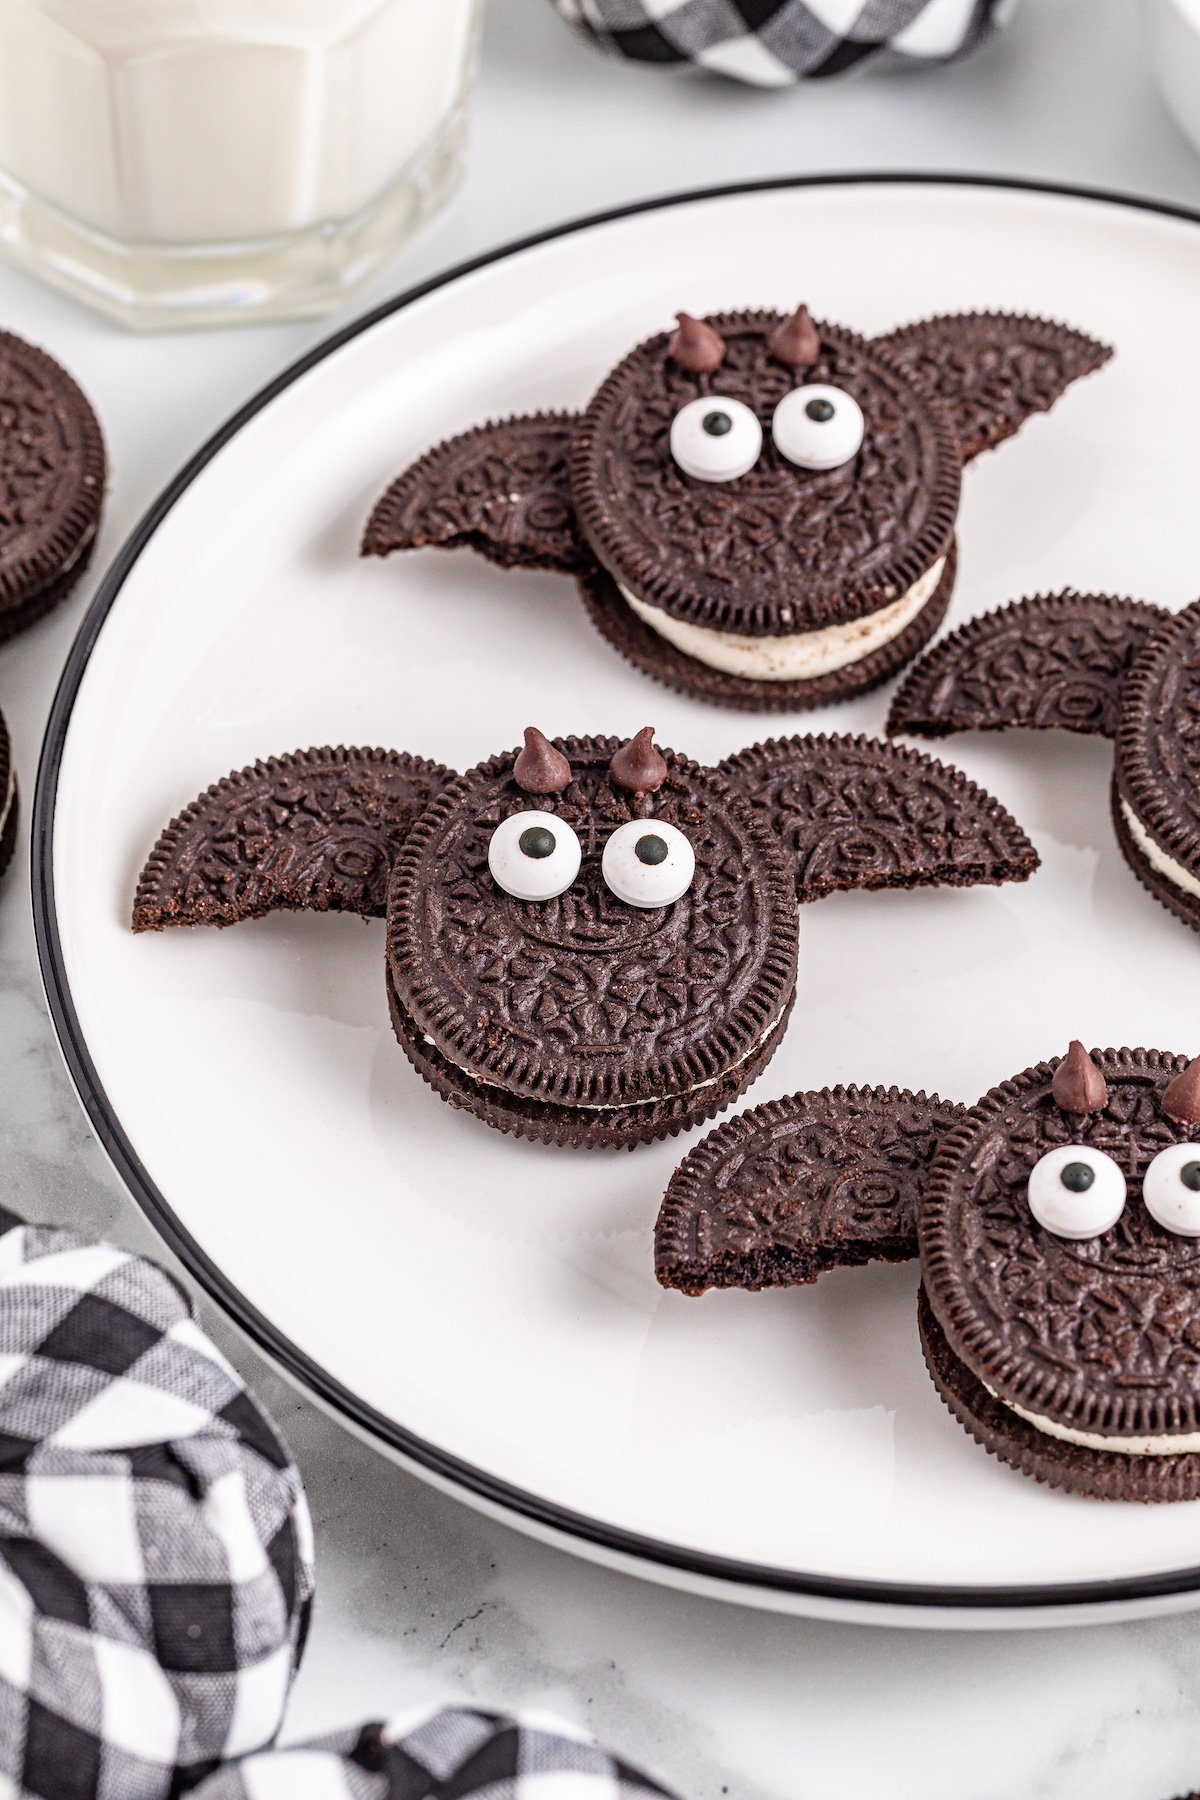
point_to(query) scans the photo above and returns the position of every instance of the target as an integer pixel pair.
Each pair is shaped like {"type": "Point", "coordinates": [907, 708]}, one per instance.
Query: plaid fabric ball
{"type": "Point", "coordinates": [774, 42]}
{"type": "Point", "coordinates": [155, 1546]}
{"type": "Point", "coordinates": [449, 1755]}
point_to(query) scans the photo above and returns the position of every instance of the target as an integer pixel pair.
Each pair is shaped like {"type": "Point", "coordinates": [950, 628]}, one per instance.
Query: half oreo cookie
{"type": "Point", "coordinates": [52, 474]}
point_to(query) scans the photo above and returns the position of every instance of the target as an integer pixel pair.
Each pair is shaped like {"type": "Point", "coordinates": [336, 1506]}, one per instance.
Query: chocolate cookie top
{"type": "Point", "coordinates": [1100, 1334]}
{"type": "Point", "coordinates": [782, 548]}
{"type": "Point", "coordinates": [858, 813]}
{"type": "Point", "coordinates": [1053, 662]}
{"type": "Point", "coordinates": [317, 830]}
{"type": "Point", "coordinates": [1158, 740]}
{"type": "Point", "coordinates": [52, 469]}
{"type": "Point", "coordinates": [795, 1187]}
{"type": "Point", "coordinates": [584, 999]}
{"type": "Point", "coordinates": [994, 369]}
{"type": "Point", "coordinates": [501, 490]}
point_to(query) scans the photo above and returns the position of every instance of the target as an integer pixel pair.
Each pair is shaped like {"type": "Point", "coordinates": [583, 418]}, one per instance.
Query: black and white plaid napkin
{"type": "Point", "coordinates": [155, 1546]}
{"type": "Point", "coordinates": [774, 42]}
{"type": "Point", "coordinates": [454, 1754]}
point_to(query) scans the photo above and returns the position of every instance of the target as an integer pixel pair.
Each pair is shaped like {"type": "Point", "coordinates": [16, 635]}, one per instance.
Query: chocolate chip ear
{"type": "Point", "coordinates": [1079, 1086]}
{"type": "Point", "coordinates": [1052, 663]}
{"type": "Point", "coordinates": [994, 369]}
{"type": "Point", "coordinates": [855, 812]}
{"type": "Point", "coordinates": [788, 1190]}
{"type": "Point", "coordinates": [1181, 1101]}
{"type": "Point", "coordinates": [316, 831]}
{"type": "Point", "coordinates": [695, 345]}
{"type": "Point", "coordinates": [501, 489]}
{"type": "Point", "coordinates": [540, 768]}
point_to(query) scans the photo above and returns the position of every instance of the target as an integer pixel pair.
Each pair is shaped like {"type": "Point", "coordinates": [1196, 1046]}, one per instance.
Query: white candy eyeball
{"type": "Point", "coordinates": [534, 856]}
{"type": "Point", "coordinates": [1076, 1191]}
{"type": "Point", "coordinates": [1171, 1189]}
{"type": "Point", "coordinates": [818, 427]}
{"type": "Point", "coordinates": [648, 863]}
{"type": "Point", "coordinates": [715, 439]}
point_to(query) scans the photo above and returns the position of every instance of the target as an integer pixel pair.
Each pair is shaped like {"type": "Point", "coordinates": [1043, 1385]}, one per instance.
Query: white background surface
{"type": "Point", "coordinates": [417, 1596]}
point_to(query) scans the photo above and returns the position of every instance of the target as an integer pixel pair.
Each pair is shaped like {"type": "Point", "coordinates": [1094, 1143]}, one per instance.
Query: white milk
{"type": "Point", "coordinates": [135, 132]}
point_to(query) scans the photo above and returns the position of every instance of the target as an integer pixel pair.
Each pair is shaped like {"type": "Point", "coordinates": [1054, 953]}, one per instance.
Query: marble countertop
{"type": "Point", "coordinates": [418, 1597]}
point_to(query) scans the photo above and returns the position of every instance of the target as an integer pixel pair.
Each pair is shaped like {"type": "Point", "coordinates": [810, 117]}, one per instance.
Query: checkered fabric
{"type": "Point", "coordinates": [774, 42]}
{"type": "Point", "coordinates": [450, 1755]}
{"type": "Point", "coordinates": [155, 1546]}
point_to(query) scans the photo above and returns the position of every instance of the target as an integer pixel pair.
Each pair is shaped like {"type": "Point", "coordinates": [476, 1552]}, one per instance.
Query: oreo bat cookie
{"type": "Point", "coordinates": [1091, 663]}
{"type": "Point", "coordinates": [758, 510]}
{"type": "Point", "coordinates": [1057, 1223]}
{"type": "Point", "coordinates": [589, 942]}
{"type": "Point", "coordinates": [52, 474]}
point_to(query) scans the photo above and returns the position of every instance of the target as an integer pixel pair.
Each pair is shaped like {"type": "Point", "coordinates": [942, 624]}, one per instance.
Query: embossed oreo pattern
{"type": "Point", "coordinates": [583, 1000]}
{"type": "Point", "coordinates": [792, 1188]}
{"type": "Point", "coordinates": [1158, 742]}
{"type": "Point", "coordinates": [1055, 662]}
{"type": "Point", "coordinates": [317, 830]}
{"type": "Point", "coordinates": [993, 369]}
{"type": "Point", "coordinates": [781, 549]}
{"type": "Point", "coordinates": [1101, 1335]}
{"type": "Point", "coordinates": [52, 469]}
{"type": "Point", "coordinates": [500, 489]}
{"type": "Point", "coordinates": [854, 812]}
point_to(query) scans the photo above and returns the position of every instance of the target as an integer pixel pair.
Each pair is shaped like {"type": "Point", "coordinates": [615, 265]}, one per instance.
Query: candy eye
{"type": "Point", "coordinates": [1171, 1189]}
{"type": "Point", "coordinates": [1076, 1192]}
{"type": "Point", "coordinates": [715, 439]}
{"type": "Point", "coordinates": [818, 427]}
{"type": "Point", "coordinates": [534, 856]}
{"type": "Point", "coordinates": [648, 863]}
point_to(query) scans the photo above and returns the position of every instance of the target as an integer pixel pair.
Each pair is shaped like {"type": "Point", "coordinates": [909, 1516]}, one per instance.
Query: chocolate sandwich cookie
{"type": "Point", "coordinates": [8, 799]}
{"type": "Point", "coordinates": [52, 473]}
{"type": "Point", "coordinates": [794, 1187]}
{"type": "Point", "coordinates": [589, 941]}
{"type": "Point", "coordinates": [759, 509]}
{"type": "Point", "coordinates": [1088, 663]}
{"type": "Point", "coordinates": [1057, 1224]}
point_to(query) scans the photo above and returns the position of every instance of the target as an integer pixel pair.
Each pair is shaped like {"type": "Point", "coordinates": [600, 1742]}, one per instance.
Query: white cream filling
{"type": "Point", "coordinates": [1167, 867]}
{"type": "Point", "coordinates": [802, 656]}
{"type": "Point", "coordinates": [1092, 1440]}
{"type": "Point", "coordinates": [621, 1106]}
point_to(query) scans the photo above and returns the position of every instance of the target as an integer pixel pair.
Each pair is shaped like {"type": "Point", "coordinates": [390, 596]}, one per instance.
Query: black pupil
{"type": "Point", "coordinates": [1190, 1175]}
{"type": "Point", "coordinates": [537, 841]}
{"type": "Point", "coordinates": [1077, 1177]}
{"type": "Point", "coordinates": [820, 410]}
{"type": "Point", "coordinates": [651, 849]}
{"type": "Point", "coordinates": [717, 423]}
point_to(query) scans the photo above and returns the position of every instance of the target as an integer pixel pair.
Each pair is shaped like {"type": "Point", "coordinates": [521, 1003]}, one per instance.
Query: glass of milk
{"type": "Point", "coordinates": [186, 162]}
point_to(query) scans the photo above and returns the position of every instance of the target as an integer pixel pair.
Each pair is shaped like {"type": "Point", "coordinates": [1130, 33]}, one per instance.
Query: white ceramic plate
{"type": "Point", "coordinates": [486, 1309]}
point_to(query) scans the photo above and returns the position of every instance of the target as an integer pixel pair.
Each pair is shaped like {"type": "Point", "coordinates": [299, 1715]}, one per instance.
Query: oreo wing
{"type": "Point", "coordinates": [315, 831]}
{"type": "Point", "coordinates": [502, 490]}
{"type": "Point", "coordinates": [819, 1181]}
{"type": "Point", "coordinates": [855, 812]}
{"type": "Point", "coordinates": [1056, 662]}
{"type": "Point", "coordinates": [994, 370]}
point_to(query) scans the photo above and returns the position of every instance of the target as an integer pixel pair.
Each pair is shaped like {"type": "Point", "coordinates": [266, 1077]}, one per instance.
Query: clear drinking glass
{"type": "Point", "coordinates": [181, 162]}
